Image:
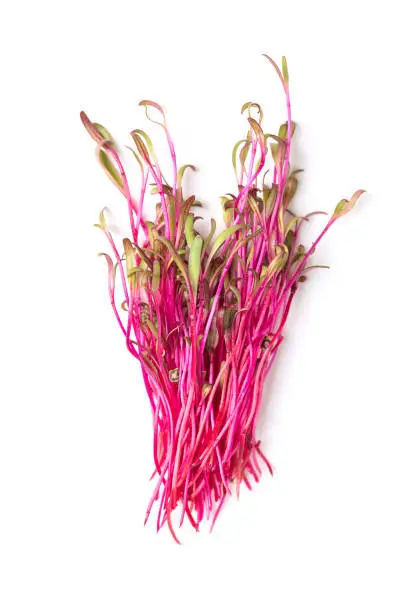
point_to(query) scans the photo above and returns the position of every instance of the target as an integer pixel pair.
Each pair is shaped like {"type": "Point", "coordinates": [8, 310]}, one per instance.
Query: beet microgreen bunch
{"type": "Point", "coordinates": [204, 316]}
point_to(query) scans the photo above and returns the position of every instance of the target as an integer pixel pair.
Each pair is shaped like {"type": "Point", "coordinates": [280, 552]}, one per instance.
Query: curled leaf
{"type": "Point", "coordinates": [181, 172]}
{"type": "Point", "coordinates": [344, 206]}
{"type": "Point", "coordinates": [249, 105]}
{"type": "Point", "coordinates": [146, 104]}
{"type": "Point", "coordinates": [187, 205]}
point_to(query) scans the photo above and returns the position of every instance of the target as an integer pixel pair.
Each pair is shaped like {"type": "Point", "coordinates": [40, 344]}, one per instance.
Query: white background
{"type": "Point", "coordinates": [328, 533]}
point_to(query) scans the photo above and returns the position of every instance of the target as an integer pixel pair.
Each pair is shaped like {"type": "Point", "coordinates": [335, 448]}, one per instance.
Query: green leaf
{"type": "Point", "coordinates": [285, 69]}
{"type": "Point", "coordinates": [271, 199]}
{"type": "Point", "coordinates": [134, 271]}
{"type": "Point", "coordinates": [189, 230]}
{"type": "Point", "coordinates": [235, 150]}
{"type": "Point", "coordinates": [102, 220]}
{"type": "Point", "coordinates": [212, 340]}
{"type": "Point", "coordinates": [255, 208]}
{"type": "Point", "coordinates": [92, 129]}
{"type": "Point", "coordinates": [228, 216]}
{"type": "Point", "coordinates": [344, 206]}
{"type": "Point", "coordinates": [109, 261]}
{"type": "Point", "coordinates": [279, 260]}
{"type": "Point", "coordinates": [341, 208]}
{"type": "Point", "coordinates": [172, 216]}
{"type": "Point", "coordinates": [289, 239]}
{"type": "Point", "coordinates": [278, 139]}
{"type": "Point", "coordinates": [110, 169]}
{"type": "Point", "coordinates": [177, 259]}
{"type": "Point", "coordinates": [145, 151]}
{"type": "Point", "coordinates": [283, 131]}
{"type": "Point", "coordinates": [194, 264]}
{"type": "Point", "coordinates": [156, 275]}
{"type": "Point", "coordinates": [181, 172]}
{"type": "Point", "coordinates": [223, 236]}
{"type": "Point", "coordinates": [290, 190]}
{"type": "Point", "coordinates": [250, 105]}
{"type": "Point", "coordinates": [228, 318]}
{"type": "Point", "coordinates": [130, 257]}
{"type": "Point", "coordinates": [141, 147]}
{"type": "Point", "coordinates": [244, 152]}
{"type": "Point", "coordinates": [103, 131]}
{"type": "Point", "coordinates": [322, 267]}
{"type": "Point", "coordinates": [211, 234]}
{"type": "Point", "coordinates": [258, 131]}
{"type": "Point", "coordinates": [291, 223]}
{"type": "Point", "coordinates": [146, 104]}
{"type": "Point", "coordinates": [228, 211]}
{"type": "Point", "coordinates": [276, 68]}
{"type": "Point", "coordinates": [187, 204]}
{"type": "Point", "coordinates": [278, 152]}
{"type": "Point", "coordinates": [250, 255]}
{"type": "Point", "coordinates": [299, 254]}
{"type": "Point", "coordinates": [152, 328]}
{"type": "Point", "coordinates": [236, 291]}
{"type": "Point", "coordinates": [137, 158]}
{"type": "Point", "coordinates": [150, 229]}
{"type": "Point", "coordinates": [143, 256]}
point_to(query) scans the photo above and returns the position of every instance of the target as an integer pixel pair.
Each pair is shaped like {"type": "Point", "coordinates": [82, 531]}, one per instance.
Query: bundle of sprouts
{"type": "Point", "coordinates": [204, 316]}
